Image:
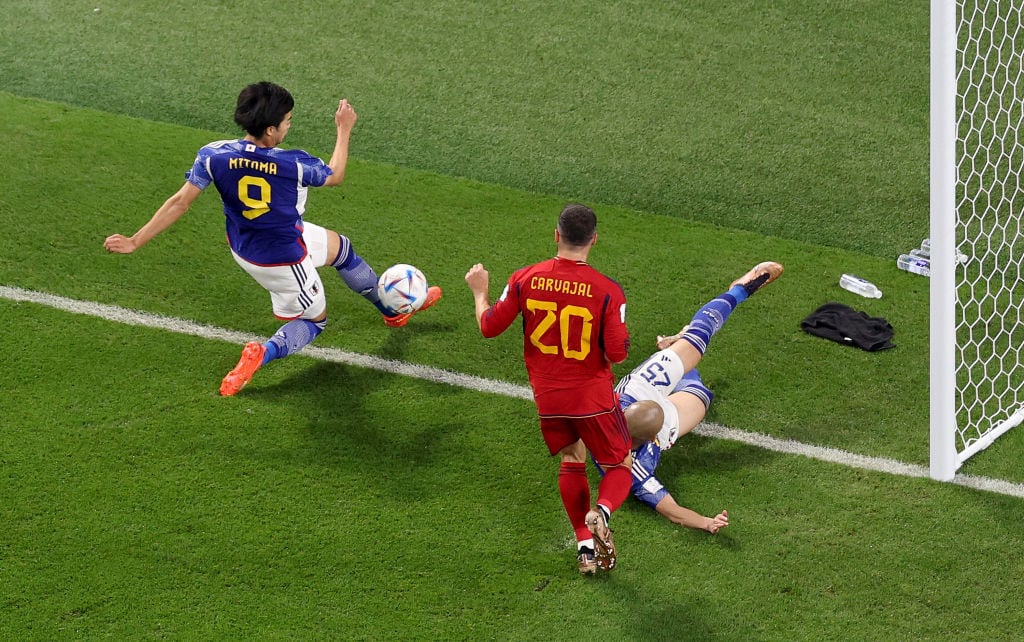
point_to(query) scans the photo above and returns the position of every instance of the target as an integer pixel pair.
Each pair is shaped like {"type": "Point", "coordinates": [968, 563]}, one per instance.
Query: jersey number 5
{"type": "Point", "coordinates": [564, 319]}
{"type": "Point", "coordinates": [257, 206]}
{"type": "Point", "coordinates": [656, 375]}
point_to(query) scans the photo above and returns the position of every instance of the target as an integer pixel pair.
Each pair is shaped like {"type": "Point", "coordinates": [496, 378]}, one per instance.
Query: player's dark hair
{"type": "Point", "coordinates": [577, 225]}
{"type": "Point", "coordinates": [262, 105]}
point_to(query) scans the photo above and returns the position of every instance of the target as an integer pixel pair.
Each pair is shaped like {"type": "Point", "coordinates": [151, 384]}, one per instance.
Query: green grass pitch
{"type": "Point", "coordinates": [329, 501]}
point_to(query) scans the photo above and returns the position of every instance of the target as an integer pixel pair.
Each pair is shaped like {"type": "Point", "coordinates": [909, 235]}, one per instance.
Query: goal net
{"type": "Point", "coordinates": [977, 204]}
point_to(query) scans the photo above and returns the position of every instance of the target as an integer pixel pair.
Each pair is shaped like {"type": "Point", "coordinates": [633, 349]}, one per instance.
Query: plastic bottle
{"type": "Point", "coordinates": [914, 264]}
{"type": "Point", "coordinates": [859, 286]}
{"type": "Point", "coordinates": [926, 251]}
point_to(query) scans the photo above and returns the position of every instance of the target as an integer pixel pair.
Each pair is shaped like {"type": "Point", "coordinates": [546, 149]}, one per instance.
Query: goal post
{"type": "Point", "coordinates": [976, 210]}
{"type": "Point", "coordinates": [942, 190]}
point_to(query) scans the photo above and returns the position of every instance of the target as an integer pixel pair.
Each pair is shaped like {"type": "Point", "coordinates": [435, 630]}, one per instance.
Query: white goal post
{"type": "Point", "coordinates": [977, 209]}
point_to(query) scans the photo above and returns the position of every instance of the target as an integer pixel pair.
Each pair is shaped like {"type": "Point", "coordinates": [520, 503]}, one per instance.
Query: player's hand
{"type": "Point", "coordinates": [478, 279]}
{"type": "Point", "coordinates": [664, 342]}
{"type": "Point", "coordinates": [119, 244]}
{"type": "Point", "coordinates": [718, 522]}
{"type": "Point", "coordinates": [345, 117]}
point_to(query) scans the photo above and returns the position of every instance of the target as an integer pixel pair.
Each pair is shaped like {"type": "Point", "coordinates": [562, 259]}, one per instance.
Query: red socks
{"type": "Point", "coordinates": [575, 490]}
{"type": "Point", "coordinates": [615, 487]}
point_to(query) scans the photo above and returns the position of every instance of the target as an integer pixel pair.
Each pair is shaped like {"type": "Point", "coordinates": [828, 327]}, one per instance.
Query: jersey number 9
{"type": "Point", "coordinates": [247, 185]}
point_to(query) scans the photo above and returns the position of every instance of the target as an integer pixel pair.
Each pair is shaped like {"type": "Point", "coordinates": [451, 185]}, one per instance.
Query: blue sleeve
{"type": "Point", "coordinates": [649, 490]}
{"type": "Point", "coordinates": [199, 175]}
{"type": "Point", "coordinates": [314, 170]}
{"type": "Point", "coordinates": [646, 486]}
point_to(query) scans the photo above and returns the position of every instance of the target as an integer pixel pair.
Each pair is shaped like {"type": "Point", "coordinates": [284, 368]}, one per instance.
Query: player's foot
{"type": "Point", "coordinates": [587, 565]}
{"type": "Point", "coordinates": [252, 359]}
{"type": "Point", "coordinates": [604, 547]}
{"type": "Point", "coordinates": [433, 296]}
{"type": "Point", "coordinates": [759, 276]}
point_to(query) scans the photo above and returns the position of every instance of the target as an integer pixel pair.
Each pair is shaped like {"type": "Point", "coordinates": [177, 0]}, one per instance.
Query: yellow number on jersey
{"type": "Point", "coordinates": [258, 206]}
{"type": "Point", "coordinates": [563, 317]}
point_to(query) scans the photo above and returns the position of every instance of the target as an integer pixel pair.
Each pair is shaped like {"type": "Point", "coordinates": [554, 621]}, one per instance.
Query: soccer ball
{"type": "Point", "coordinates": [402, 288]}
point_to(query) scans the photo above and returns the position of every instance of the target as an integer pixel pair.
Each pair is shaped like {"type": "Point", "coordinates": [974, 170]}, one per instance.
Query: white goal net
{"type": "Point", "coordinates": [977, 205]}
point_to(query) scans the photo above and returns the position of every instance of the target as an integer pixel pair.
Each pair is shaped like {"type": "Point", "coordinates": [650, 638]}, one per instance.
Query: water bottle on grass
{"type": "Point", "coordinates": [859, 286]}
{"type": "Point", "coordinates": [914, 264]}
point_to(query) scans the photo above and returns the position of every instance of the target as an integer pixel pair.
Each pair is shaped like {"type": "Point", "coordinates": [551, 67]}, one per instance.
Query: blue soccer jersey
{"type": "Point", "coordinates": [264, 194]}
{"type": "Point", "coordinates": [656, 379]}
{"type": "Point", "coordinates": [646, 486]}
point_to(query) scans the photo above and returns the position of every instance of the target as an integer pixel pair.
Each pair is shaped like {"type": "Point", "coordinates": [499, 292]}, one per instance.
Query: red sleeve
{"type": "Point", "coordinates": [500, 316]}
{"type": "Point", "coordinates": [616, 335]}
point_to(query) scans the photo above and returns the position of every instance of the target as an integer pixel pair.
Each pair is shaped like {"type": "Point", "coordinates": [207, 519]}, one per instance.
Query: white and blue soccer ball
{"type": "Point", "coordinates": [402, 288]}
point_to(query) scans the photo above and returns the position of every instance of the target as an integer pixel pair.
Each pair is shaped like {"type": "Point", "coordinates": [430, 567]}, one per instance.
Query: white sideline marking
{"type": "Point", "coordinates": [480, 384]}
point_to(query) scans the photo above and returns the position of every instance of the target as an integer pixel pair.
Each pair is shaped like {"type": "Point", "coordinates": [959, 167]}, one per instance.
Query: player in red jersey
{"type": "Point", "coordinates": [574, 329]}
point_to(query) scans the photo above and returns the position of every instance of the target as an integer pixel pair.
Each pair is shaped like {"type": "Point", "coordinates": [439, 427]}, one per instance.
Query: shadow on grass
{"type": "Point", "coordinates": [362, 422]}
{"type": "Point", "coordinates": [694, 455]}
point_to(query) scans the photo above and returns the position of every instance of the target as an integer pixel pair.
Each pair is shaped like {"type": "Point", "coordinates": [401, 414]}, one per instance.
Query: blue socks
{"type": "Point", "coordinates": [712, 316]}
{"type": "Point", "coordinates": [692, 383]}
{"type": "Point", "coordinates": [292, 337]}
{"type": "Point", "coordinates": [739, 293]}
{"type": "Point", "coordinates": [357, 274]}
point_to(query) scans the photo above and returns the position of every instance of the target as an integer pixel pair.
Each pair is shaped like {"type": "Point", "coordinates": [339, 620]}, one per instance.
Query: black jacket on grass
{"type": "Point", "coordinates": [842, 324]}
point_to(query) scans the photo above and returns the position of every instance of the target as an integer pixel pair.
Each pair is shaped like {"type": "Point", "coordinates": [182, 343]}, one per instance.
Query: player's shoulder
{"type": "Point", "coordinates": [292, 155]}
{"type": "Point", "coordinates": [605, 282]}
{"type": "Point", "coordinates": [282, 152]}
{"type": "Point", "coordinates": [532, 269]}
{"type": "Point", "coordinates": [218, 147]}
{"type": "Point", "coordinates": [584, 267]}
{"type": "Point", "coordinates": [647, 450]}
{"type": "Point", "coordinates": [222, 146]}
{"type": "Point", "coordinates": [646, 459]}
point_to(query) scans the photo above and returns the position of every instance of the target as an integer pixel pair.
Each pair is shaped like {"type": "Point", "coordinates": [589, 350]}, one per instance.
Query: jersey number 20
{"type": "Point", "coordinates": [564, 319]}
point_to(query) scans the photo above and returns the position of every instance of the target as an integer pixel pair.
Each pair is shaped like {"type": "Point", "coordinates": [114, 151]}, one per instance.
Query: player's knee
{"type": "Point", "coordinates": [339, 250]}
{"type": "Point", "coordinates": [575, 452]}
{"type": "Point", "coordinates": [699, 390]}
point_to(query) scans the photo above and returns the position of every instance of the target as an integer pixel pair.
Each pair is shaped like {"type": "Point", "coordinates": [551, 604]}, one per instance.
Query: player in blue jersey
{"type": "Point", "coordinates": [664, 398]}
{"type": "Point", "coordinates": [264, 188]}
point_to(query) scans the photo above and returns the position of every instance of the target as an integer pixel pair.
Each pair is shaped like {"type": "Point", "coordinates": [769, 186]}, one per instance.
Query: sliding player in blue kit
{"type": "Point", "coordinates": [664, 398]}
{"type": "Point", "coordinates": [264, 189]}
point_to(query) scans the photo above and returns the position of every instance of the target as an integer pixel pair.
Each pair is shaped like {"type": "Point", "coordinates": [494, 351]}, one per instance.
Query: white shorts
{"type": "Point", "coordinates": [296, 291]}
{"type": "Point", "coordinates": [654, 380]}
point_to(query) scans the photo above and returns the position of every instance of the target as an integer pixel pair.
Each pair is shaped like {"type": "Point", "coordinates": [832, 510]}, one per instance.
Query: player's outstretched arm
{"type": "Point", "coordinates": [169, 212]}
{"type": "Point", "coordinates": [691, 519]}
{"type": "Point", "coordinates": [344, 121]}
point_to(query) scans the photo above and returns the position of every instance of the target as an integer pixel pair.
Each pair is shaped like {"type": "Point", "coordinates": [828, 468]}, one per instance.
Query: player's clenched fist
{"type": "Point", "coordinates": [119, 244]}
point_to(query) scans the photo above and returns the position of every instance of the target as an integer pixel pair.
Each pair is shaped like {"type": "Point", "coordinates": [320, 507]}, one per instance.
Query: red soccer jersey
{"type": "Point", "coordinates": [574, 328]}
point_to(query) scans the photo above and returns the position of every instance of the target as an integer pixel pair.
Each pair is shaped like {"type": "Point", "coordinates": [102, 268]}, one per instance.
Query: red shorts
{"type": "Point", "coordinates": [605, 435]}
